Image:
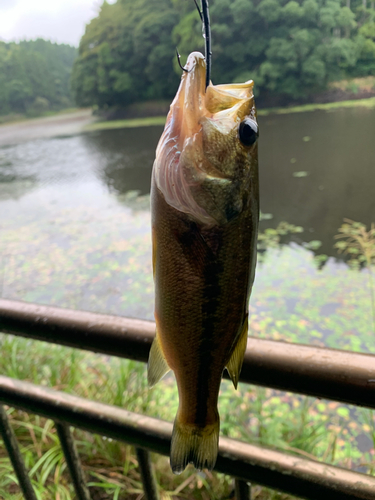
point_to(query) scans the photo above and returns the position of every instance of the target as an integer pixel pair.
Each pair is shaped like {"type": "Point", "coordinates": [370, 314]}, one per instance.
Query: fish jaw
{"type": "Point", "coordinates": [201, 167]}
{"type": "Point", "coordinates": [181, 134]}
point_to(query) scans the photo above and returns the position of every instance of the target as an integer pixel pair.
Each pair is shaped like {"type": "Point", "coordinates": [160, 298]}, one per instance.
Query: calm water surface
{"type": "Point", "coordinates": [75, 223]}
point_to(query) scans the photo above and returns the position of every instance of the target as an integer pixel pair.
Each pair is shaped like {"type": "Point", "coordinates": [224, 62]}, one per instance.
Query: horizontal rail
{"type": "Point", "coordinates": [324, 373]}
{"type": "Point", "coordinates": [275, 469]}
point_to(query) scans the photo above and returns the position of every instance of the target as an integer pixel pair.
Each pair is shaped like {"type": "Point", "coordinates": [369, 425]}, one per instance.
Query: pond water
{"type": "Point", "coordinates": [75, 224]}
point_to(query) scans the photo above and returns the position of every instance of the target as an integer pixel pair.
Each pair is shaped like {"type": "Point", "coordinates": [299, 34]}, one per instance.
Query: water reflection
{"type": "Point", "coordinates": [79, 236]}
{"type": "Point", "coordinates": [13, 183]}
{"type": "Point", "coordinates": [124, 158]}
{"type": "Point", "coordinates": [315, 169]}
{"type": "Point", "coordinates": [336, 152]}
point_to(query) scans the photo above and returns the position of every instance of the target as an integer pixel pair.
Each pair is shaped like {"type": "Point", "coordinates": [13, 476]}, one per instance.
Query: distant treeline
{"type": "Point", "coordinates": [289, 48]}
{"type": "Point", "coordinates": [35, 76]}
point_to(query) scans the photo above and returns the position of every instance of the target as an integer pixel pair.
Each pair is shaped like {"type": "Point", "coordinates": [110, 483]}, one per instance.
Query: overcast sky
{"type": "Point", "coordinates": [61, 21]}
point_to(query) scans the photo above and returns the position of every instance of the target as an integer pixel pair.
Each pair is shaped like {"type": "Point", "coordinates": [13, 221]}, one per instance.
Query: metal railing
{"type": "Point", "coordinates": [325, 373]}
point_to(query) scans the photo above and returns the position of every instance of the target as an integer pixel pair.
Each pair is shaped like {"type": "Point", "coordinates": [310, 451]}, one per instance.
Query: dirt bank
{"type": "Point", "coordinates": [50, 126]}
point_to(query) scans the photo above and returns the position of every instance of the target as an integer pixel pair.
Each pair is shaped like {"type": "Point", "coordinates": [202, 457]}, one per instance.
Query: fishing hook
{"type": "Point", "coordinates": [205, 18]}
{"type": "Point", "coordinates": [179, 62]}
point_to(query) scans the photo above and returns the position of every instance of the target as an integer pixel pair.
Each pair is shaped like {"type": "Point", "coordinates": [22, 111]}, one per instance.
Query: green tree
{"type": "Point", "coordinates": [289, 48]}
{"type": "Point", "coordinates": [33, 72]}
{"type": "Point", "coordinates": [126, 54]}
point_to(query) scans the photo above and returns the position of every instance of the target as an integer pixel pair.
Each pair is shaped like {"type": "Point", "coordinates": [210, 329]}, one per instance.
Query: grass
{"type": "Point", "coordinates": [160, 120]}
{"type": "Point", "coordinates": [19, 117]}
{"type": "Point", "coordinates": [129, 123]}
{"type": "Point", "coordinates": [304, 426]}
{"type": "Point", "coordinates": [260, 416]}
{"type": "Point", "coordinates": [357, 103]}
{"type": "Point", "coordinates": [355, 85]}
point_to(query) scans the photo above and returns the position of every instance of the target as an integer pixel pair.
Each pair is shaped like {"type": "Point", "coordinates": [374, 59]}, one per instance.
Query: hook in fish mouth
{"type": "Point", "coordinates": [179, 61]}
{"type": "Point", "coordinates": [204, 15]}
{"type": "Point", "coordinates": [201, 138]}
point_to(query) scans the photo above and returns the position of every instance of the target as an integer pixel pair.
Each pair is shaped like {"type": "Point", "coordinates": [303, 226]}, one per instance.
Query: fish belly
{"type": "Point", "coordinates": [203, 277]}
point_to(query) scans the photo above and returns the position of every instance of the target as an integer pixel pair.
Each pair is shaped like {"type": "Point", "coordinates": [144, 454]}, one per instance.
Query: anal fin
{"type": "Point", "coordinates": [234, 364]}
{"type": "Point", "coordinates": [157, 365]}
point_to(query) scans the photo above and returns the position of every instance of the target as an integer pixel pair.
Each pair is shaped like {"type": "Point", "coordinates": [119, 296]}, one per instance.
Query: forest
{"type": "Point", "coordinates": [292, 49]}
{"type": "Point", "coordinates": [289, 48]}
{"type": "Point", "coordinates": [35, 76]}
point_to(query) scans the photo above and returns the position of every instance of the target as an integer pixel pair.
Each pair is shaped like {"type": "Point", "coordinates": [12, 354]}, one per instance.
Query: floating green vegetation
{"type": "Point", "coordinates": [271, 238]}
{"type": "Point", "coordinates": [130, 123]}
{"type": "Point", "coordinates": [301, 173]}
{"type": "Point", "coordinates": [99, 259]}
{"type": "Point", "coordinates": [359, 245]}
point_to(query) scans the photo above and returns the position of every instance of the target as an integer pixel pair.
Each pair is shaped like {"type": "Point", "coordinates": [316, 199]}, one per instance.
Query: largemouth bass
{"type": "Point", "coordinates": [205, 212]}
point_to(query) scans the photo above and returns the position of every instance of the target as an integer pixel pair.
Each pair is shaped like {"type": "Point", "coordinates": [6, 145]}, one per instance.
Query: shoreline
{"type": "Point", "coordinates": [57, 125]}
{"type": "Point", "coordinates": [78, 121]}
{"type": "Point", "coordinates": [368, 103]}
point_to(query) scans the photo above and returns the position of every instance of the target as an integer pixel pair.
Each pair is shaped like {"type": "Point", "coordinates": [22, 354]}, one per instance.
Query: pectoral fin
{"type": "Point", "coordinates": [235, 363]}
{"type": "Point", "coordinates": [157, 365]}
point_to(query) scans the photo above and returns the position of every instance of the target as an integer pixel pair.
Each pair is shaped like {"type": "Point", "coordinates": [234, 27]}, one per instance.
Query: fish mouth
{"type": "Point", "coordinates": [194, 103]}
{"type": "Point", "coordinates": [192, 94]}
{"type": "Point", "coordinates": [185, 153]}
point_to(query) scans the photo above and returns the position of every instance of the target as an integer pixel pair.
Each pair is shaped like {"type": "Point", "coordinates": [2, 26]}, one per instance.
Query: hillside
{"type": "Point", "coordinates": [35, 76]}
{"type": "Point", "coordinates": [293, 50]}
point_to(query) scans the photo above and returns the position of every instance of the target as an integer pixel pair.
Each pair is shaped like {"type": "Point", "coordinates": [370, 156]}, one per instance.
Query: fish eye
{"type": "Point", "coordinates": [248, 132]}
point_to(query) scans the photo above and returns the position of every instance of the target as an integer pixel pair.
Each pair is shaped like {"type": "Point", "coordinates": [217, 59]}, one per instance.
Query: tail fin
{"type": "Point", "coordinates": [193, 444]}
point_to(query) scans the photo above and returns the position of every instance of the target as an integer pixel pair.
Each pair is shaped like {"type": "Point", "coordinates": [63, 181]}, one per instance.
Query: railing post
{"type": "Point", "coordinates": [73, 461]}
{"type": "Point", "coordinates": [242, 490]}
{"type": "Point", "coordinates": [148, 479]}
{"type": "Point", "coordinates": [15, 456]}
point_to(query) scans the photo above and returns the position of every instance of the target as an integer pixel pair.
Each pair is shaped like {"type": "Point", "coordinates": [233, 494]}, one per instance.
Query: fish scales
{"type": "Point", "coordinates": [205, 212]}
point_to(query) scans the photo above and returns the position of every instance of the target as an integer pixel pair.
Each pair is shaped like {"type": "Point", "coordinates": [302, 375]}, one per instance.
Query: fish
{"type": "Point", "coordinates": [205, 215]}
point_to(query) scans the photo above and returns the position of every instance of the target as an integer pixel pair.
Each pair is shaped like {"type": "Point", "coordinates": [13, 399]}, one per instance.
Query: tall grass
{"type": "Point", "coordinates": [258, 415]}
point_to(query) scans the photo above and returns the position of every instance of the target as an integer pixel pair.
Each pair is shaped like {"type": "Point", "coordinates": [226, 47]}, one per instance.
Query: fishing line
{"type": "Point", "coordinates": [205, 18]}
{"type": "Point", "coordinates": [207, 36]}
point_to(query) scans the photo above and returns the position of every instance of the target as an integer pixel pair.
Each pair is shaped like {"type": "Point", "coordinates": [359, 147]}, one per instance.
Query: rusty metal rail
{"type": "Point", "coordinates": [278, 470]}
{"type": "Point", "coordinates": [339, 375]}
{"type": "Point", "coordinates": [324, 373]}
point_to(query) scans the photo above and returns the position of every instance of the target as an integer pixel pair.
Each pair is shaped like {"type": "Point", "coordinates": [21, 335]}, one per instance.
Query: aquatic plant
{"type": "Point", "coordinates": [271, 238]}
{"type": "Point", "coordinates": [359, 245]}
{"type": "Point", "coordinates": [101, 262]}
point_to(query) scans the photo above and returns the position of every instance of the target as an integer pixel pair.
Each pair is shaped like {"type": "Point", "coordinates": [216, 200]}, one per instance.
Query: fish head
{"type": "Point", "coordinates": [206, 159]}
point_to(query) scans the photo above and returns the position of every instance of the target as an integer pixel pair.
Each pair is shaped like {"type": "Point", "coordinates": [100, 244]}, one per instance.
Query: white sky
{"type": "Point", "coordinates": [61, 21]}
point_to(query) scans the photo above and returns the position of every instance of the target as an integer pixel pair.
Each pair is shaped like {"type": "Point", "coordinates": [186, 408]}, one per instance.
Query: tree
{"type": "Point", "coordinates": [126, 54]}
{"type": "Point", "coordinates": [33, 72]}
{"type": "Point", "coordinates": [289, 48]}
